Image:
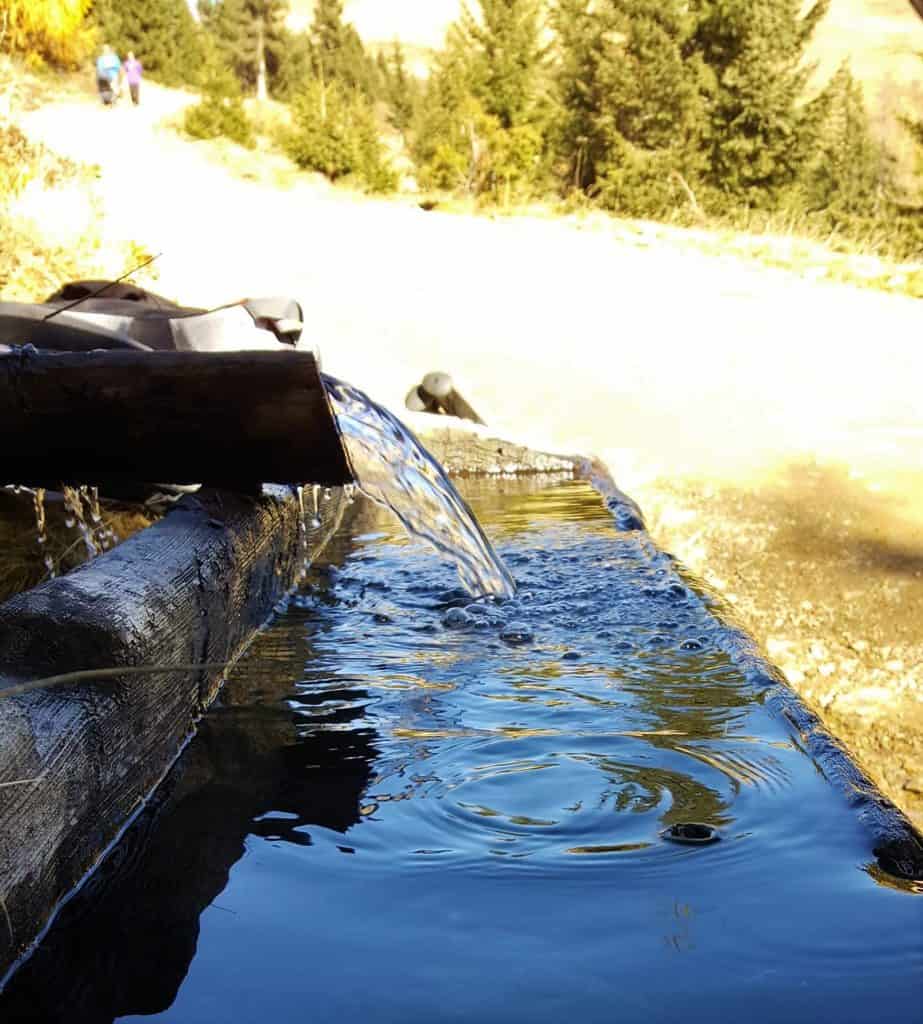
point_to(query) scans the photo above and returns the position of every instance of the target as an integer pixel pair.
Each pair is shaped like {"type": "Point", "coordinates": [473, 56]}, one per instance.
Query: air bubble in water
{"type": "Point", "coordinates": [516, 633]}
{"type": "Point", "coordinates": [457, 618]}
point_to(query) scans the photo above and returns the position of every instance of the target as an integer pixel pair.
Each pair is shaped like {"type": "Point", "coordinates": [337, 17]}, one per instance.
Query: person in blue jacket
{"type": "Point", "coordinates": [108, 73]}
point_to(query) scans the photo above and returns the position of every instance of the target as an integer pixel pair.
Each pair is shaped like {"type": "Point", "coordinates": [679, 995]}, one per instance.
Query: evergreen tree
{"type": "Point", "coordinates": [848, 173]}
{"type": "Point", "coordinates": [400, 90]}
{"type": "Point", "coordinates": [653, 111]}
{"type": "Point", "coordinates": [444, 137]}
{"type": "Point", "coordinates": [759, 133]}
{"type": "Point", "coordinates": [581, 51]}
{"type": "Point", "coordinates": [162, 34]}
{"type": "Point", "coordinates": [507, 59]}
{"type": "Point", "coordinates": [337, 51]}
{"type": "Point", "coordinates": [220, 112]}
{"type": "Point", "coordinates": [334, 131]}
{"type": "Point", "coordinates": [631, 104]}
{"type": "Point", "coordinates": [295, 65]}
{"type": "Point", "coordinates": [482, 120]}
{"type": "Point", "coordinates": [250, 34]}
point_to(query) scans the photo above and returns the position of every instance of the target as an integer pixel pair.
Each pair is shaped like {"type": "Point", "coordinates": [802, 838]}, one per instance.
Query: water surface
{"type": "Point", "coordinates": [411, 806]}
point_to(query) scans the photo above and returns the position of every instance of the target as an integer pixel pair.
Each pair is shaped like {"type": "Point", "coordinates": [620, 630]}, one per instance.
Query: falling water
{"type": "Point", "coordinates": [77, 516]}
{"type": "Point", "coordinates": [393, 468]}
{"type": "Point", "coordinates": [38, 501]}
{"type": "Point", "coordinates": [82, 510]}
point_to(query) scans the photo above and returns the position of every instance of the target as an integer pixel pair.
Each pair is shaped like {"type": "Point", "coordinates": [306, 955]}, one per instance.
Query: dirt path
{"type": "Point", "coordinates": [715, 390]}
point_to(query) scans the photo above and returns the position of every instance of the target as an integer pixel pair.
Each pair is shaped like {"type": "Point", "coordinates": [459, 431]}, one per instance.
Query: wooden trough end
{"type": "Point", "coordinates": [224, 419]}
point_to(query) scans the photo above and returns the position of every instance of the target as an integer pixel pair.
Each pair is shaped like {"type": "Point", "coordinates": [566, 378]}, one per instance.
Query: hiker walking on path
{"type": "Point", "coordinates": [133, 71]}
{"type": "Point", "coordinates": [108, 71]}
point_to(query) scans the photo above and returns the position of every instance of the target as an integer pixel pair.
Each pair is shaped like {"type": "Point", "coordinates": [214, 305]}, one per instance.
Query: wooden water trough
{"type": "Point", "coordinates": [174, 606]}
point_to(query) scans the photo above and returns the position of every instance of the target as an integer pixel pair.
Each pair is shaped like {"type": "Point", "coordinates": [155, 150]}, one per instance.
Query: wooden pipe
{"type": "Point", "coordinates": [217, 418]}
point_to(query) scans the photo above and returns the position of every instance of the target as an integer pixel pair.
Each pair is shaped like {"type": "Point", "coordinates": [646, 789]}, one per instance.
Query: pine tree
{"type": "Point", "coordinates": [337, 50]}
{"type": "Point", "coordinates": [483, 114]}
{"type": "Point", "coordinates": [295, 65]}
{"type": "Point", "coordinates": [220, 111]}
{"type": "Point", "coordinates": [161, 33]}
{"type": "Point", "coordinates": [401, 91]}
{"type": "Point", "coordinates": [334, 131]}
{"type": "Point", "coordinates": [507, 59]}
{"type": "Point", "coordinates": [580, 95]}
{"type": "Point", "coordinates": [760, 134]}
{"type": "Point", "coordinates": [251, 36]}
{"type": "Point", "coordinates": [848, 174]}
{"type": "Point", "coordinates": [630, 102]}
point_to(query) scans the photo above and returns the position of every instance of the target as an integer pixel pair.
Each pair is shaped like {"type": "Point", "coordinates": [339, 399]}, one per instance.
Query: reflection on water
{"type": "Point", "coordinates": [412, 806]}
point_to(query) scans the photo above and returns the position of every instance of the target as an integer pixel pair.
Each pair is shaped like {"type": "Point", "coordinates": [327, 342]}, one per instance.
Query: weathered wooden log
{"type": "Point", "coordinates": [222, 419]}
{"type": "Point", "coordinates": [77, 761]}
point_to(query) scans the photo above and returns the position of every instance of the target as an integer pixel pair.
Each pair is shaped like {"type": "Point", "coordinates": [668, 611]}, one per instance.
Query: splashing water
{"type": "Point", "coordinates": [77, 515]}
{"type": "Point", "coordinates": [394, 469]}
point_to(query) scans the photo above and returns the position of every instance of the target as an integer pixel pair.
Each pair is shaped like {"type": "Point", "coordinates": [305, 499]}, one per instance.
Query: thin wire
{"type": "Point", "coordinates": [99, 291]}
{"type": "Point", "coordinates": [104, 673]}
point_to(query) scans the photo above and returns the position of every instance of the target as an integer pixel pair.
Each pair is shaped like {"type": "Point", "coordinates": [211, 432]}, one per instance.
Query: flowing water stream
{"type": "Point", "coordinates": [412, 806]}
{"type": "Point", "coordinates": [394, 469]}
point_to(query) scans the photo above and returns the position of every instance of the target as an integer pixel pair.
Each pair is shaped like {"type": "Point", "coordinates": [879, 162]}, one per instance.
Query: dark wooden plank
{"type": "Point", "coordinates": [186, 417]}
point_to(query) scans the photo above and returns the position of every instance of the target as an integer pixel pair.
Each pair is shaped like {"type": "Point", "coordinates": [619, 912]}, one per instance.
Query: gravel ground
{"type": "Point", "coordinates": [831, 584]}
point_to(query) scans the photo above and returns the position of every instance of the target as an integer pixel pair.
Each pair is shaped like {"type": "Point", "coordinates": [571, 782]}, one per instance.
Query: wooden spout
{"type": "Point", "coordinates": [223, 419]}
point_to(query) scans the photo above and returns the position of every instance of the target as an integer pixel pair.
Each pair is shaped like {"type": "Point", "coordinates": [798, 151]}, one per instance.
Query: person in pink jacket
{"type": "Point", "coordinates": [132, 70]}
